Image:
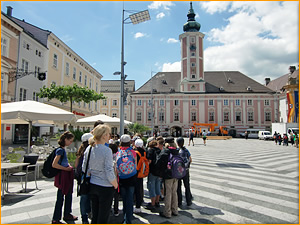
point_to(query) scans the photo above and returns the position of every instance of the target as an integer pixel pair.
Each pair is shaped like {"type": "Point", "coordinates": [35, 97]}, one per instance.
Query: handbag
{"type": "Point", "coordinates": [84, 186]}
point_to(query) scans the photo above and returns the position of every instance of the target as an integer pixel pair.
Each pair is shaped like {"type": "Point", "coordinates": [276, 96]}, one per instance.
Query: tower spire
{"type": "Point", "coordinates": [191, 25]}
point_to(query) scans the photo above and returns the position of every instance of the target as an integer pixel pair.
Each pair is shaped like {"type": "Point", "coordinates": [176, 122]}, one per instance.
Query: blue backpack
{"type": "Point", "coordinates": [177, 166]}
{"type": "Point", "coordinates": [126, 163]}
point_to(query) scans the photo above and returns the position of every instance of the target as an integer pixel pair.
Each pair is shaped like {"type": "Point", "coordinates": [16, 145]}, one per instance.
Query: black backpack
{"type": "Point", "coordinates": [183, 153]}
{"type": "Point", "coordinates": [48, 171]}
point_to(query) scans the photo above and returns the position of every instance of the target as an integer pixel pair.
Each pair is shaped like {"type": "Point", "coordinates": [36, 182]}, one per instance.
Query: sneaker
{"type": "Point", "coordinates": [70, 217]}
{"type": "Point", "coordinates": [163, 215]}
{"type": "Point", "coordinates": [174, 214]}
{"type": "Point", "coordinates": [116, 214]}
{"type": "Point", "coordinates": [137, 210]}
{"type": "Point", "coordinates": [157, 205]}
{"type": "Point", "coordinates": [57, 222]}
{"type": "Point", "coordinates": [150, 206]}
{"type": "Point", "coordinates": [189, 203]}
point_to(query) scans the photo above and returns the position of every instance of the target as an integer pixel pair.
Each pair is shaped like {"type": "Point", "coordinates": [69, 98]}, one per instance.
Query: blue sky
{"type": "Point", "coordinates": [259, 39]}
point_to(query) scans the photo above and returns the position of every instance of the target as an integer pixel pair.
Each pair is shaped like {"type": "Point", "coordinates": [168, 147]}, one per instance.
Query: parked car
{"type": "Point", "coordinates": [265, 135]}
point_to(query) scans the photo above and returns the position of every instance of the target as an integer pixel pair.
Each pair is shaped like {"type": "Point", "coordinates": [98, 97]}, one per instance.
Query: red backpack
{"type": "Point", "coordinates": [142, 166]}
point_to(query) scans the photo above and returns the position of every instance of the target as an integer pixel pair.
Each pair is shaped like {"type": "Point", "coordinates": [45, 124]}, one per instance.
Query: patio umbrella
{"type": "Point", "coordinates": [33, 112]}
{"type": "Point", "coordinates": [104, 118]}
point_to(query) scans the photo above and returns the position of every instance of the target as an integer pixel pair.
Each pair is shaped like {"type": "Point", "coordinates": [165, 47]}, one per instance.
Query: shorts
{"type": "Point", "coordinates": [153, 185]}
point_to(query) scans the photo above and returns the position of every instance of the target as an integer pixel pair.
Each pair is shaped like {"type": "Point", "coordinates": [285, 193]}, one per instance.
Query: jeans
{"type": "Point", "coordinates": [188, 194]}
{"type": "Point", "coordinates": [138, 192]}
{"type": "Point", "coordinates": [59, 203]}
{"type": "Point", "coordinates": [85, 207]}
{"type": "Point", "coordinates": [153, 185]}
{"type": "Point", "coordinates": [127, 197]}
{"type": "Point", "coordinates": [101, 199]}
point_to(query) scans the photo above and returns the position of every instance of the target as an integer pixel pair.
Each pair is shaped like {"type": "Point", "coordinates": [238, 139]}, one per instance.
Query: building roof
{"type": "Point", "coordinates": [113, 86]}
{"type": "Point", "coordinates": [35, 32]}
{"type": "Point", "coordinates": [277, 84]}
{"type": "Point", "coordinates": [215, 82]}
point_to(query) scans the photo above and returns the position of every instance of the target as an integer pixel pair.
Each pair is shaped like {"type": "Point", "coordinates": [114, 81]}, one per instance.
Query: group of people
{"type": "Point", "coordinates": [117, 168]}
{"type": "Point", "coordinates": [286, 139]}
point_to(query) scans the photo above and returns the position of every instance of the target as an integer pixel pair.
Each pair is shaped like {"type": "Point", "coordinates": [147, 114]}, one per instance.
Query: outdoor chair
{"type": "Point", "coordinates": [26, 170]}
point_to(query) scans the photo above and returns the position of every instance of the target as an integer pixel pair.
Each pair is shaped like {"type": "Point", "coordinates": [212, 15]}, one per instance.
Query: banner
{"type": "Point", "coordinates": [291, 108]}
{"type": "Point", "coordinates": [296, 99]}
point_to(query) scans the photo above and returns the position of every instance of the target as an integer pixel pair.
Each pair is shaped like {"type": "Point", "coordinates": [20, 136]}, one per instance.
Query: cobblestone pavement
{"type": "Point", "coordinates": [232, 181]}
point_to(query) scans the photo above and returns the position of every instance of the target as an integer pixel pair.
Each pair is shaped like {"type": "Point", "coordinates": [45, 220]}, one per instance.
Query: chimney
{"type": "Point", "coordinates": [292, 69]}
{"type": "Point", "coordinates": [9, 11]}
{"type": "Point", "coordinates": [267, 80]}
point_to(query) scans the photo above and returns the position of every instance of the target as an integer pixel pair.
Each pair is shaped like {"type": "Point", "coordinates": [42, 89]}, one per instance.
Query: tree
{"type": "Point", "coordinates": [137, 128]}
{"type": "Point", "coordinates": [70, 93]}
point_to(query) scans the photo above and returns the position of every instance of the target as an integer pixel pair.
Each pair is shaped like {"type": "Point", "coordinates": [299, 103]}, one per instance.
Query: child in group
{"type": "Point", "coordinates": [85, 204]}
{"type": "Point", "coordinates": [114, 147]}
{"type": "Point", "coordinates": [64, 180]}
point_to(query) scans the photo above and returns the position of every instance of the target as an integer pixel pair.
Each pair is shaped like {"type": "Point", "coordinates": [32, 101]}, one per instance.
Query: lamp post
{"type": "Point", "coordinates": [136, 18]}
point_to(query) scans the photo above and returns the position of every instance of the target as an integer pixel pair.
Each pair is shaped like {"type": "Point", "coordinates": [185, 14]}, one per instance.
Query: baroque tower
{"type": "Point", "coordinates": [192, 73]}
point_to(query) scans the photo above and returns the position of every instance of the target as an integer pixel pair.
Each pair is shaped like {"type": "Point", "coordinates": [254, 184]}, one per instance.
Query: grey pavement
{"type": "Point", "coordinates": [232, 181]}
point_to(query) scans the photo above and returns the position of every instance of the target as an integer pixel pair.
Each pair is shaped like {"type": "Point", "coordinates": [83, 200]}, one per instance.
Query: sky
{"type": "Point", "coordinates": [257, 38]}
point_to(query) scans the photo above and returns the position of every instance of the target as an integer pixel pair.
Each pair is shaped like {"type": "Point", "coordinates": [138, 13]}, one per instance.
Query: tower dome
{"type": "Point", "coordinates": [191, 25]}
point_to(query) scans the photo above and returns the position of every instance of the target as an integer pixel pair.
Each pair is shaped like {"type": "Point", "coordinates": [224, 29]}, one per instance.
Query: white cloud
{"type": "Point", "coordinates": [171, 67]}
{"type": "Point", "coordinates": [139, 35]}
{"type": "Point", "coordinates": [214, 6]}
{"type": "Point", "coordinates": [160, 4]}
{"type": "Point", "coordinates": [172, 40]}
{"type": "Point", "coordinates": [255, 39]}
{"type": "Point", "coordinates": [160, 15]}
{"type": "Point", "coordinates": [67, 38]}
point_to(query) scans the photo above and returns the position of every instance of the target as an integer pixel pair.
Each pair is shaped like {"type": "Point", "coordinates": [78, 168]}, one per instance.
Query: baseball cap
{"type": "Point", "coordinates": [86, 137]}
{"type": "Point", "coordinates": [139, 143]}
{"type": "Point", "coordinates": [125, 138]}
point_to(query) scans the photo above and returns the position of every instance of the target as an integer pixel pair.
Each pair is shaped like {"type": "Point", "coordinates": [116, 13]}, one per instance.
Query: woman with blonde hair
{"type": "Point", "coordinates": [101, 171]}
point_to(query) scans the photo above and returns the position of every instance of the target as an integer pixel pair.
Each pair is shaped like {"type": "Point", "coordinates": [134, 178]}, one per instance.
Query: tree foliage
{"type": "Point", "coordinates": [137, 128]}
{"type": "Point", "coordinates": [70, 93]}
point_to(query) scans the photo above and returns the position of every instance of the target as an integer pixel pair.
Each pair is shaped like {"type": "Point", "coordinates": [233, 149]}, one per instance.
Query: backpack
{"type": "Point", "coordinates": [183, 152]}
{"type": "Point", "coordinates": [177, 166]}
{"type": "Point", "coordinates": [48, 171]}
{"type": "Point", "coordinates": [159, 164]}
{"type": "Point", "coordinates": [125, 163]}
{"type": "Point", "coordinates": [143, 165]}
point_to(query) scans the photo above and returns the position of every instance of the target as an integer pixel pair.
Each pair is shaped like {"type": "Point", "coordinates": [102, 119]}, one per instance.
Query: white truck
{"type": "Point", "coordinates": [285, 128]}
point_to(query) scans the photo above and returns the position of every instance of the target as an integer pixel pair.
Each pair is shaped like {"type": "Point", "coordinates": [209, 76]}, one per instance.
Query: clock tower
{"type": "Point", "coordinates": [192, 74]}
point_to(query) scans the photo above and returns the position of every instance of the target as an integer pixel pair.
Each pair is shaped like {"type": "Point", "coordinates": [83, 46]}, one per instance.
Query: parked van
{"type": "Point", "coordinates": [253, 133]}
{"type": "Point", "coordinates": [265, 135]}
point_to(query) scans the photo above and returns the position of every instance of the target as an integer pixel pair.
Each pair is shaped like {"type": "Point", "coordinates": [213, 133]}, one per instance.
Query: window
{"type": "Point", "coordinates": [115, 102]}
{"type": "Point", "coordinates": [96, 106]}
{"type": "Point", "coordinates": [249, 101]}
{"type": "Point", "coordinates": [193, 76]}
{"type": "Point", "coordinates": [267, 116]}
{"type": "Point", "coordinates": [149, 102]}
{"type": "Point", "coordinates": [67, 69]}
{"type": "Point", "coordinates": [23, 94]}
{"type": "Point", "coordinates": [176, 102]}
{"type": "Point", "coordinates": [193, 102]}
{"type": "Point", "coordinates": [176, 116]}
{"type": "Point", "coordinates": [250, 116]}
{"type": "Point", "coordinates": [85, 80]}
{"type": "Point", "coordinates": [125, 116]}
{"type": "Point", "coordinates": [35, 97]}
{"type": "Point", "coordinates": [211, 116]}
{"type": "Point", "coordinates": [193, 116]}
{"type": "Point", "coordinates": [161, 102]}
{"type": "Point", "coordinates": [192, 53]}
{"type": "Point", "coordinates": [37, 70]}
{"type": "Point", "coordinates": [97, 87]}
{"type": "Point", "coordinates": [74, 73]}
{"type": "Point", "coordinates": [225, 102]}
{"type": "Point", "coordinates": [2, 81]}
{"type": "Point", "coordinates": [55, 59]}
{"type": "Point", "coordinates": [79, 104]}
{"type": "Point", "coordinates": [80, 76]}
{"type": "Point", "coordinates": [193, 64]}
{"type": "Point", "coordinates": [90, 83]}
{"type": "Point", "coordinates": [4, 46]}
{"type": "Point", "coordinates": [25, 65]}
{"type": "Point", "coordinates": [114, 115]}
{"type": "Point", "coordinates": [226, 116]}
{"type": "Point", "coordinates": [238, 116]}
{"type": "Point", "coordinates": [210, 102]}
{"type": "Point", "coordinates": [237, 102]}
{"type": "Point", "coordinates": [104, 102]}
{"type": "Point", "coordinates": [139, 102]}
{"type": "Point", "coordinates": [27, 46]}
{"type": "Point", "coordinates": [161, 116]}
{"type": "Point", "coordinates": [149, 116]}
{"type": "Point", "coordinates": [139, 116]}
{"type": "Point", "coordinates": [192, 39]}
{"type": "Point", "coordinates": [89, 105]}
{"type": "Point", "coordinates": [267, 102]}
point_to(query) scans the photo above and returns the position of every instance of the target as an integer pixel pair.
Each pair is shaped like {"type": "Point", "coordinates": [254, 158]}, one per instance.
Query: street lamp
{"type": "Point", "coordinates": [136, 18]}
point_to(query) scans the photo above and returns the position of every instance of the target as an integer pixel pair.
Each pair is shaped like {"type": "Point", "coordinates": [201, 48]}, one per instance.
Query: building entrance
{"type": "Point", "coordinates": [176, 131]}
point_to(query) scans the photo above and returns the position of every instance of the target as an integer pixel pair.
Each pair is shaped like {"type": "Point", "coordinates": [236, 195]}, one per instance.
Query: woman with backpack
{"type": "Point", "coordinates": [100, 169]}
{"type": "Point", "coordinates": [64, 180]}
{"type": "Point", "coordinates": [85, 204]}
{"type": "Point", "coordinates": [142, 171]}
{"type": "Point", "coordinates": [126, 166]}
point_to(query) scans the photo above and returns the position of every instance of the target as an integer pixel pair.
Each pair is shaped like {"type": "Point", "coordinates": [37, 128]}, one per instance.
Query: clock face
{"type": "Point", "coordinates": [193, 47]}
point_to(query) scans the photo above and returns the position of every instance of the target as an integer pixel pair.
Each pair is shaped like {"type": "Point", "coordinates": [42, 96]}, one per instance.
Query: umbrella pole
{"type": "Point", "coordinates": [29, 136]}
